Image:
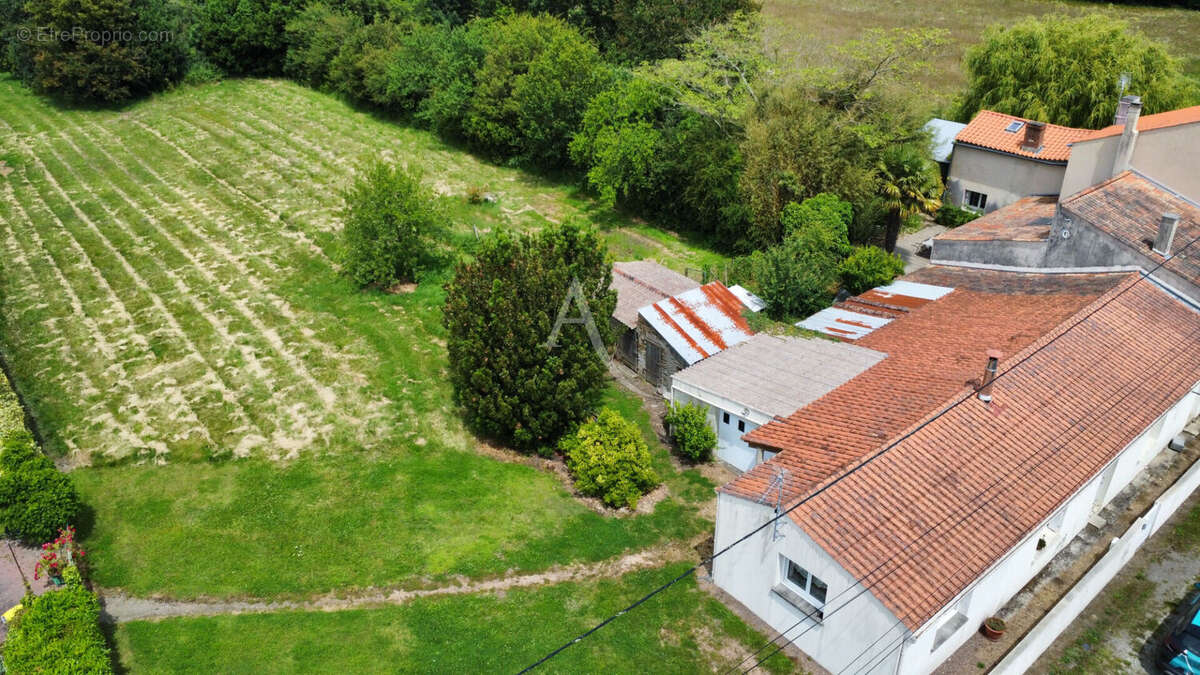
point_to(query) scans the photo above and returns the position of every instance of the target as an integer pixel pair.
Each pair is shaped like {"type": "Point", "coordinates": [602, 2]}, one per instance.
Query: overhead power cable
{"type": "Point", "coordinates": [1042, 459]}
{"type": "Point", "coordinates": [849, 472]}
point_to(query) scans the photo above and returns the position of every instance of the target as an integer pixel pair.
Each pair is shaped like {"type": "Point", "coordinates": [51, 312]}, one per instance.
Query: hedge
{"type": "Point", "coordinates": [58, 632]}
{"type": "Point", "coordinates": [36, 500]}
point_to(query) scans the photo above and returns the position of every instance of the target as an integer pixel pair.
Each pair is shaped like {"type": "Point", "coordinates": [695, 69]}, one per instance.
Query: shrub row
{"type": "Point", "coordinates": [58, 632]}
{"type": "Point", "coordinates": [36, 500]}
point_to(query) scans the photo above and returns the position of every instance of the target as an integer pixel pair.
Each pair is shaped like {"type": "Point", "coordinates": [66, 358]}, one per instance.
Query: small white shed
{"type": "Point", "coordinates": [765, 377]}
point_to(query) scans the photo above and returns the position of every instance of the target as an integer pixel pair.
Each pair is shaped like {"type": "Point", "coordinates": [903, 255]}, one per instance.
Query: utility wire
{"type": "Point", "coordinates": [1043, 459]}
{"type": "Point", "coordinates": [838, 479]}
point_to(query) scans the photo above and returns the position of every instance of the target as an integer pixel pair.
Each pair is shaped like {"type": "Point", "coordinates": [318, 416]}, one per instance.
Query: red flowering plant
{"type": "Point", "coordinates": [59, 555]}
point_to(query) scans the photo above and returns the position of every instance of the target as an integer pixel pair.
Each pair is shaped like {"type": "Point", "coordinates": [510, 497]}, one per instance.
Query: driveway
{"type": "Point", "coordinates": [909, 244]}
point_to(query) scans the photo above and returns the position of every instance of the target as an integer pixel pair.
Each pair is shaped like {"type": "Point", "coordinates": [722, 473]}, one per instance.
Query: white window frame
{"type": "Point", "coordinates": [802, 591]}
{"type": "Point", "coordinates": [983, 197]}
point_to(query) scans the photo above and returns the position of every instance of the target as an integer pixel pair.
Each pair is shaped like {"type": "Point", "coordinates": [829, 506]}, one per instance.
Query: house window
{"type": "Point", "coordinates": [725, 418]}
{"type": "Point", "coordinates": [741, 425]}
{"type": "Point", "coordinates": [810, 587]}
{"type": "Point", "coordinates": [1014, 126]}
{"type": "Point", "coordinates": [975, 200]}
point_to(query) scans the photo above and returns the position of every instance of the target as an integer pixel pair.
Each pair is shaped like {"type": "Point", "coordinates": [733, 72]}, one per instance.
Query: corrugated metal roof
{"type": "Point", "coordinates": [642, 282]}
{"type": "Point", "coordinates": [863, 313]}
{"type": "Point", "coordinates": [943, 133]}
{"type": "Point", "coordinates": [777, 375]}
{"type": "Point", "coordinates": [700, 322]}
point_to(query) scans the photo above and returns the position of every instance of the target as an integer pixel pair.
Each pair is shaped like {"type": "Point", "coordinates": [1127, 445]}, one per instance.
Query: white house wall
{"type": "Point", "coordinates": [1010, 574]}
{"type": "Point", "coordinates": [1003, 178]}
{"type": "Point", "coordinates": [751, 569]}
{"type": "Point", "coordinates": [730, 446]}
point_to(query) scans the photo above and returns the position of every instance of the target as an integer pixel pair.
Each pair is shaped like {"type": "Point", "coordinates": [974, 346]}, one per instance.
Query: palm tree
{"type": "Point", "coordinates": [909, 184]}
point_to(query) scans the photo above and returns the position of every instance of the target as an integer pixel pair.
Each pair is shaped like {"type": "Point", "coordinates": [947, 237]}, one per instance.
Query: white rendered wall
{"type": "Point", "coordinates": [751, 569]}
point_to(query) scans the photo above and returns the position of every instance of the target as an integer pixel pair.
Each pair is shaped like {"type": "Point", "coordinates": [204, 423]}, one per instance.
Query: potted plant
{"type": "Point", "coordinates": [993, 628]}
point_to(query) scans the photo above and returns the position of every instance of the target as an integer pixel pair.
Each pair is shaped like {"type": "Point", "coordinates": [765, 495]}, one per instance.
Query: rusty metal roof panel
{"type": "Point", "coordinates": [700, 322]}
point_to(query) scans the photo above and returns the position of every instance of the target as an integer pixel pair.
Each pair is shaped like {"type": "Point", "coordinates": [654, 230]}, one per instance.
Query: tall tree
{"type": "Point", "coordinates": [1068, 70]}
{"type": "Point", "coordinates": [98, 50]}
{"type": "Point", "coordinates": [909, 184]}
{"type": "Point", "coordinates": [827, 131]}
{"type": "Point", "coordinates": [500, 312]}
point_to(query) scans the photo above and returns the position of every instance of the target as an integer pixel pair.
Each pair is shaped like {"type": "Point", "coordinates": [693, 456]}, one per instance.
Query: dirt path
{"type": "Point", "coordinates": [119, 608]}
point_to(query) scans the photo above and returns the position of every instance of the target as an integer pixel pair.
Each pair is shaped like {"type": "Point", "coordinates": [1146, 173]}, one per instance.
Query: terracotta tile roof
{"type": "Point", "coordinates": [644, 282]}
{"type": "Point", "coordinates": [1130, 206]}
{"type": "Point", "coordinates": [1171, 118]}
{"type": "Point", "coordinates": [700, 322]}
{"type": "Point", "coordinates": [932, 351]}
{"type": "Point", "coordinates": [971, 484]}
{"type": "Point", "coordinates": [987, 130]}
{"type": "Point", "coordinates": [1027, 219]}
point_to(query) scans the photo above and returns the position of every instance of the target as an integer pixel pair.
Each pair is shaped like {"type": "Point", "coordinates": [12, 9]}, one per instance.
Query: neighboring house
{"type": "Point", "coordinates": [898, 555]}
{"type": "Point", "coordinates": [764, 378]}
{"type": "Point", "coordinates": [640, 283]}
{"type": "Point", "coordinates": [1164, 145]}
{"type": "Point", "coordinates": [941, 144]}
{"type": "Point", "coordinates": [999, 159]}
{"type": "Point", "coordinates": [1127, 222]}
{"type": "Point", "coordinates": [678, 331]}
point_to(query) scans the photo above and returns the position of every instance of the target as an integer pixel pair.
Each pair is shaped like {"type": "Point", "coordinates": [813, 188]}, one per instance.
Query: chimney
{"type": "Point", "coordinates": [1123, 109]}
{"type": "Point", "coordinates": [989, 374]}
{"type": "Point", "coordinates": [1166, 232]}
{"type": "Point", "coordinates": [1128, 134]}
{"type": "Point", "coordinates": [1033, 136]}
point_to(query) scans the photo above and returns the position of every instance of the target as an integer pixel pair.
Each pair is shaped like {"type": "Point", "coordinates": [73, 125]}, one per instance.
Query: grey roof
{"type": "Point", "coordinates": [943, 132]}
{"type": "Point", "coordinates": [644, 282]}
{"type": "Point", "coordinates": [779, 375]}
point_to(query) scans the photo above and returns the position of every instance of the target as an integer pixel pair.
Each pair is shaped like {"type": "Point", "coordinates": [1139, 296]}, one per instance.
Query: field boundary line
{"type": "Point", "coordinates": [121, 608]}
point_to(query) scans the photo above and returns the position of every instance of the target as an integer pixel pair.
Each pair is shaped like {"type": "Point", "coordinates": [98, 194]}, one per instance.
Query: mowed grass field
{"type": "Point", "coordinates": [244, 422]}
{"type": "Point", "coordinates": [808, 29]}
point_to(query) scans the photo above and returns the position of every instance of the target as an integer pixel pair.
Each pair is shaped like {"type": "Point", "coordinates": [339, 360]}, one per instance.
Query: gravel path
{"type": "Point", "coordinates": [119, 608]}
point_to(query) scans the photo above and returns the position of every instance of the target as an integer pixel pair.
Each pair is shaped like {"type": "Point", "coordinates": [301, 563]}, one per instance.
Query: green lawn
{"type": "Point", "coordinates": [807, 29]}
{"type": "Point", "coordinates": [681, 631]}
{"type": "Point", "coordinates": [255, 425]}
{"type": "Point", "coordinates": [413, 516]}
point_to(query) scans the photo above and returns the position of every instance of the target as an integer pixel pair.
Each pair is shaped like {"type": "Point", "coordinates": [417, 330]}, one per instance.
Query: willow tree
{"type": "Point", "coordinates": [1069, 71]}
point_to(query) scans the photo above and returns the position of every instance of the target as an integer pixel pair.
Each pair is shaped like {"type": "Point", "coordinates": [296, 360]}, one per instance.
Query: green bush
{"type": "Point", "coordinates": [19, 452]}
{"type": "Point", "coordinates": [314, 39]}
{"type": "Point", "coordinates": [610, 460]}
{"type": "Point", "coordinates": [868, 267]}
{"type": "Point", "coordinates": [794, 279]}
{"type": "Point", "coordinates": [500, 312]}
{"type": "Point", "coordinates": [58, 632]}
{"type": "Point", "coordinates": [950, 215]}
{"type": "Point", "coordinates": [390, 220]}
{"type": "Point", "coordinates": [537, 76]}
{"type": "Point", "coordinates": [115, 49]}
{"type": "Point", "coordinates": [36, 503]}
{"type": "Point", "coordinates": [12, 415]}
{"type": "Point", "coordinates": [457, 57]}
{"type": "Point", "coordinates": [694, 438]}
{"type": "Point", "coordinates": [821, 222]}
{"type": "Point", "coordinates": [245, 37]}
